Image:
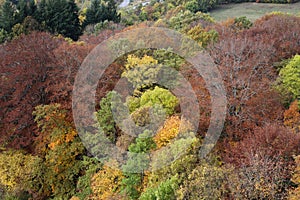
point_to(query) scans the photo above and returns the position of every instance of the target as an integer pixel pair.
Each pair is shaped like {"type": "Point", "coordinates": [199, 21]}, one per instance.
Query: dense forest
{"type": "Point", "coordinates": [43, 154]}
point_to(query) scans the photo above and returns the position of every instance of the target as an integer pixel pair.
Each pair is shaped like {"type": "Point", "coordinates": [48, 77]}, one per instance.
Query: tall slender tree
{"type": "Point", "coordinates": [7, 18]}
{"type": "Point", "coordinates": [60, 17]}
{"type": "Point", "coordinates": [25, 8]}
{"type": "Point", "coordinates": [100, 11]}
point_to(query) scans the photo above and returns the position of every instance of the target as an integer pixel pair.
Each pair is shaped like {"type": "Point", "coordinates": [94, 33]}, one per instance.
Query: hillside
{"type": "Point", "coordinates": [252, 11]}
{"type": "Point", "coordinates": [174, 99]}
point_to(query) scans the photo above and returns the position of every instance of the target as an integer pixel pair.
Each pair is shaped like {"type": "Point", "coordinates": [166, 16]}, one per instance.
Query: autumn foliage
{"type": "Point", "coordinates": [256, 157]}
{"type": "Point", "coordinates": [292, 117]}
{"type": "Point", "coordinates": [171, 128]}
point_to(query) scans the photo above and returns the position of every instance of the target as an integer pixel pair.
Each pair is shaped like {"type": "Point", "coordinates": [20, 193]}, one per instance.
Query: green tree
{"type": "Point", "coordinates": [167, 58]}
{"type": "Point", "coordinates": [7, 16]}
{"type": "Point", "coordinates": [13, 13]}
{"type": "Point", "coordinates": [206, 5]}
{"type": "Point", "coordinates": [160, 96]}
{"type": "Point", "coordinates": [170, 166]}
{"type": "Point", "coordinates": [183, 20]}
{"type": "Point", "coordinates": [165, 190]}
{"type": "Point", "coordinates": [241, 23]}
{"type": "Point", "coordinates": [138, 160]}
{"type": "Point", "coordinates": [178, 159]}
{"type": "Point", "coordinates": [289, 77]}
{"type": "Point", "coordinates": [60, 17]}
{"type": "Point", "coordinates": [100, 11]}
{"type": "Point", "coordinates": [159, 101]}
{"type": "Point", "coordinates": [3, 35]}
{"type": "Point", "coordinates": [25, 8]}
{"type": "Point", "coordinates": [90, 166]}
{"type": "Point", "coordinates": [202, 36]}
{"type": "Point", "coordinates": [105, 116]}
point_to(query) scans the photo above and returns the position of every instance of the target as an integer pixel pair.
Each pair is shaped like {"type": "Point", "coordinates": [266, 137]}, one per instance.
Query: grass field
{"type": "Point", "coordinates": [252, 11]}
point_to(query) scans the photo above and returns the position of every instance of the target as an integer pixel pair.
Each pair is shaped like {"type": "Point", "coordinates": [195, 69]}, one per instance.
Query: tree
{"type": "Point", "coordinates": [64, 148]}
{"type": "Point", "coordinates": [208, 180]}
{"type": "Point", "coordinates": [165, 190]}
{"type": "Point", "coordinates": [25, 8]}
{"type": "Point", "coordinates": [23, 86]}
{"type": "Point", "coordinates": [201, 5]}
{"type": "Point", "coordinates": [90, 166]}
{"type": "Point", "coordinates": [3, 35]}
{"type": "Point", "coordinates": [246, 62]}
{"type": "Point", "coordinates": [70, 27]}
{"type": "Point", "coordinates": [12, 15]}
{"type": "Point", "coordinates": [20, 172]}
{"type": "Point", "coordinates": [60, 17]}
{"type": "Point", "coordinates": [292, 117]}
{"type": "Point", "coordinates": [137, 164]}
{"type": "Point", "coordinates": [263, 178]}
{"type": "Point", "coordinates": [142, 73]}
{"type": "Point", "coordinates": [263, 162]}
{"type": "Point", "coordinates": [295, 193]}
{"type": "Point", "coordinates": [106, 183]}
{"type": "Point", "coordinates": [202, 36]}
{"type": "Point", "coordinates": [7, 16]}
{"type": "Point", "coordinates": [183, 20]}
{"type": "Point", "coordinates": [290, 77]}
{"type": "Point", "coordinates": [177, 159]}
{"type": "Point", "coordinates": [43, 71]}
{"type": "Point", "coordinates": [105, 117]}
{"type": "Point", "coordinates": [241, 23]}
{"type": "Point", "coordinates": [162, 97]}
{"type": "Point", "coordinates": [159, 99]}
{"type": "Point", "coordinates": [171, 128]}
{"type": "Point", "coordinates": [100, 11]}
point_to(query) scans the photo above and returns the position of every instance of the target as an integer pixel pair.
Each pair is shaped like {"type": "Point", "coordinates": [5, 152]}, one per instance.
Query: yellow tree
{"type": "Point", "coordinates": [202, 36]}
{"type": "Point", "coordinates": [106, 183]}
{"type": "Point", "coordinates": [171, 128]}
{"type": "Point", "coordinates": [20, 172]}
{"type": "Point", "coordinates": [141, 72]}
{"type": "Point", "coordinates": [62, 153]}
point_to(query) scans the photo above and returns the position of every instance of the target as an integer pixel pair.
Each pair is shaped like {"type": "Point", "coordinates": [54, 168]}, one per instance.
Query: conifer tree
{"type": "Point", "coordinates": [7, 18]}
{"type": "Point", "coordinates": [60, 17]}
{"type": "Point", "coordinates": [25, 8]}
{"type": "Point", "coordinates": [100, 11]}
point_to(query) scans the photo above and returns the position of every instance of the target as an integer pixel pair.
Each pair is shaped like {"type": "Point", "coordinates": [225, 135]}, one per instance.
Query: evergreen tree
{"type": "Point", "coordinates": [70, 25]}
{"type": "Point", "coordinates": [7, 17]}
{"type": "Point", "coordinates": [100, 11]}
{"type": "Point", "coordinates": [14, 12]}
{"type": "Point", "coordinates": [60, 17]}
{"type": "Point", "coordinates": [41, 13]}
{"type": "Point", "coordinates": [93, 13]}
{"type": "Point", "coordinates": [24, 8]}
{"type": "Point", "coordinates": [111, 11]}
